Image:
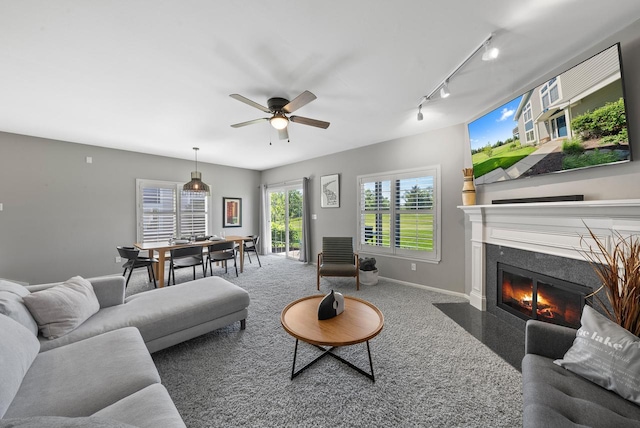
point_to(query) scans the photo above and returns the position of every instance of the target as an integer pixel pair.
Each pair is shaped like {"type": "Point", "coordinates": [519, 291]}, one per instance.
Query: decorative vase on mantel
{"type": "Point", "coordinates": [468, 188]}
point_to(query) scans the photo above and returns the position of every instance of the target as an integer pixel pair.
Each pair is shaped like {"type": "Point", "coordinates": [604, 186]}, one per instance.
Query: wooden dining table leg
{"type": "Point", "coordinates": [160, 267]}
{"type": "Point", "coordinates": [241, 255]}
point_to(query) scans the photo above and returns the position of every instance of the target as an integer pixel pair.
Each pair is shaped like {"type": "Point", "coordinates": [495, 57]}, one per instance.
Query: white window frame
{"type": "Point", "coordinates": [177, 188]}
{"type": "Point", "coordinates": [391, 251]}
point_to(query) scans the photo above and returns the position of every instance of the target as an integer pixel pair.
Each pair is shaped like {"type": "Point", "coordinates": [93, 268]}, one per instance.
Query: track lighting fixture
{"type": "Point", "coordinates": [443, 87]}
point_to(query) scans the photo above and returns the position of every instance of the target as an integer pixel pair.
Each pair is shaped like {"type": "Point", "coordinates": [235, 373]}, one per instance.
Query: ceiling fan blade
{"type": "Point", "coordinates": [249, 122]}
{"type": "Point", "coordinates": [249, 102]}
{"type": "Point", "coordinates": [310, 122]}
{"type": "Point", "coordinates": [300, 101]}
{"type": "Point", "coordinates": [283, 134]}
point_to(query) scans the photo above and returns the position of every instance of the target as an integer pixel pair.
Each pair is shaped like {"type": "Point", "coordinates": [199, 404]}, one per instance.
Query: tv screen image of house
{"type": "Point", "coordinates": [572, 121]}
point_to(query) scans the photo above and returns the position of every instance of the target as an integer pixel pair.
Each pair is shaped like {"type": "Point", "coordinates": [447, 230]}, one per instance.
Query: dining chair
{"type": "Point", "coordinates": [338, 259]}
{"type": "Point", "coordinates": [222, 251]}
{"type": "Point", "coordinates": [185, 257]}
{"type": "Point", "coordinates": [252, 247]}
{"type": "Point", "coordinates": [134, 261]}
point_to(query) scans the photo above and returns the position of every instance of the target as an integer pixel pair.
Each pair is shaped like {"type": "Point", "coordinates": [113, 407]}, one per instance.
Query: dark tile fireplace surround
{"type": "Point", "coordinates": [565, 269]}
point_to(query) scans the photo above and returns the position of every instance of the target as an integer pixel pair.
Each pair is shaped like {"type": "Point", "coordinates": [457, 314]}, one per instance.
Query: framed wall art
{"type": "Point", "coordinates": [330, 191]}
{"type": "Point", "coordinates": [231, 212]}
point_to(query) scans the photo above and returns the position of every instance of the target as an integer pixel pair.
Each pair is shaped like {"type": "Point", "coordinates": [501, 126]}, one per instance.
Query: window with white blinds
{"type": "Point", "coordinates": [399, 213]}
{"type": "Point", "coordinates": [165, 211]}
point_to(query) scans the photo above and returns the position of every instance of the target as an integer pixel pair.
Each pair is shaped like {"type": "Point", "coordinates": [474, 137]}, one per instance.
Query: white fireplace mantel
{"type": "Point", "coordinates": [556, 228]}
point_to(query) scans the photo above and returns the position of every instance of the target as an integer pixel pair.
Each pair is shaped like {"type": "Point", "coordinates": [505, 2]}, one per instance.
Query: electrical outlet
{"type": "Point", "coordinates": [413, 266]}
{"type": "Point", "coordinates": [118, 259]}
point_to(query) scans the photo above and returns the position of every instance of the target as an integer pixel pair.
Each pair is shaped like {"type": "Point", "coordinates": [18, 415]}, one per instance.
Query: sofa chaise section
{"type": "Point", "coordinates": [164, 316]}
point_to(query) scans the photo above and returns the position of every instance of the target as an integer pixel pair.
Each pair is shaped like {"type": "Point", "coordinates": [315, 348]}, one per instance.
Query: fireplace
{"type": "Point", "coordinates": [543, 229]}
{"type": "Point", "coordinates": [532, 295]}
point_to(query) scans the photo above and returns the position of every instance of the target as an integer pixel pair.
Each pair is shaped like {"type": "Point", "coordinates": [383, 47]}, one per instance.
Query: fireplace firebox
{"type": "Point", "coordinates": [532, 295]}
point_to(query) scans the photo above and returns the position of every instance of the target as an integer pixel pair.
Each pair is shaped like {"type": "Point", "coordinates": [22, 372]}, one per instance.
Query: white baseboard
{"type": "Point", "coordinates": [426, 287]}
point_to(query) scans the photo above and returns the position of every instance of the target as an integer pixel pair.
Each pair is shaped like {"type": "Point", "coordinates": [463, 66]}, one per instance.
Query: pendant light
{"type": "Point", "coordinates": [196, 184]}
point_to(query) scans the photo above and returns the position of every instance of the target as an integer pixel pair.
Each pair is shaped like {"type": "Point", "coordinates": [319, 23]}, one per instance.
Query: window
{"type": "Point", "coordinates": [528, 123]}
{"type": "Point", "coordinates": [165, 211]}
{"type": "Point", "coordinates": [399, 214]}
{"type": "Point", "coordinates": [550, 93]}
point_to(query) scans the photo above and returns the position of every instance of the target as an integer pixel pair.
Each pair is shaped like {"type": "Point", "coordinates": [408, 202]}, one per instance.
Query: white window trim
{"type": "Point", "coordinates": [161, 183]}
{"type": "Point", "coordinates": [424, 256]}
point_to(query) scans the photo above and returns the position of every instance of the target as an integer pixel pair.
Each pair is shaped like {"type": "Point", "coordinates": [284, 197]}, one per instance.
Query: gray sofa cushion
{"type": "Point", "coordinates": [62, 422]}
{"type": "Point", "coordinates": [555, 397]}
{"type": "Point", "coordinates": [13, 287]}
{"type": "Point", "coordinates": [148, 408]}
{"type": "Point", "coordinates": [164, 311]}
{"type": "Point", "coordinates": [60, 309]}
{"type": "Point", "coordinates": [110, 290]}
{"type": "Point", "coordinates": [12, 305]}
{"type": "Point", "coordinates": [18, 349]}
{"type": "Point", "coordinates": [81, 378]}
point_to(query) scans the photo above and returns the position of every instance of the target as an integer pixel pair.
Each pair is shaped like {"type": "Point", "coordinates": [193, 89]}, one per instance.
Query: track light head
{"type": "Point", "coordinates": [420, 116]}
{"type": "Point", "coordinates": [444, 91]}
{"type": "Point", "coordinates": [490, 53]}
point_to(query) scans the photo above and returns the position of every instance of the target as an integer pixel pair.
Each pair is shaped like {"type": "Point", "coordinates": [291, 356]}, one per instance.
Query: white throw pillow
{"type": "Point", "coordinates": [606, 354]}
{"type": "Point", "coordinates": [62, 308]}
{"type": "Point", "coordinates": [12, 305]}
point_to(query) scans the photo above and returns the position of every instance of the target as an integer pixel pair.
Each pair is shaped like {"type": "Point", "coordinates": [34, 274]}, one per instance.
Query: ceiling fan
{"type": "Point", "coordinates": [279, 108]}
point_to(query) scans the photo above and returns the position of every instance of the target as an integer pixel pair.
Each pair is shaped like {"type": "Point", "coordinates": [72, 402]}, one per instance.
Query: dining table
{"type": "Point", "coordinates": [159, 250]}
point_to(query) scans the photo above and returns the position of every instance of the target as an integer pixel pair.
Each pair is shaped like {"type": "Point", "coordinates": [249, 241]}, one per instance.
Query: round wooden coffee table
{"type": "Point", "coordinates": [360, 322]}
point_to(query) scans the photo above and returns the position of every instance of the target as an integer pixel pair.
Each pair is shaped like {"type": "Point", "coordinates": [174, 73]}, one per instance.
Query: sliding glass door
{"type": "Point", "coordinates": [285, 206]}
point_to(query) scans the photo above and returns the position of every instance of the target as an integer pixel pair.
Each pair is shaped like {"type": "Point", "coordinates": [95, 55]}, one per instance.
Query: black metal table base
{"type": "Point", "coordinates": [327, 351]}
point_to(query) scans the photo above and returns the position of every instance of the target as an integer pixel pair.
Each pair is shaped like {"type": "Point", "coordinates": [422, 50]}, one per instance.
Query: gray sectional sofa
{"type": "Point", "coordinates": [101, 374]}
{"type": "Point", "coordinates": [556, 397]}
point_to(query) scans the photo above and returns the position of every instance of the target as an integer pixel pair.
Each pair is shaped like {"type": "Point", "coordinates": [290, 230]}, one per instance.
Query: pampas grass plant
{"type": "Point", "coordinates": [619, 271]}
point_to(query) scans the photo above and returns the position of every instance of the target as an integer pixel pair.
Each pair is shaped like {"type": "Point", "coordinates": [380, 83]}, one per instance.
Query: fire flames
{"type": "Point", "coordinates": [550, 307]}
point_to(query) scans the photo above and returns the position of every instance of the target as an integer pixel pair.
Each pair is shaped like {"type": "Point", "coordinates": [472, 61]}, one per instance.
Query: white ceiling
{"type": "Point", "coordinates": [155, 76]}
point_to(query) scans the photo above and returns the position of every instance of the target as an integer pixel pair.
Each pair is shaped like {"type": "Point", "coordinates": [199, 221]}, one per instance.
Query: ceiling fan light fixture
{"type": "Point", "coordinates": [279, 121]}
{"type": "Point", "coordinates": [196, 184]}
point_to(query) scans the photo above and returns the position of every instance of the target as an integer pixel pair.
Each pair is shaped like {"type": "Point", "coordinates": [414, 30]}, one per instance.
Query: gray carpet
{"type": "Point", "coordinates": [429, 371]}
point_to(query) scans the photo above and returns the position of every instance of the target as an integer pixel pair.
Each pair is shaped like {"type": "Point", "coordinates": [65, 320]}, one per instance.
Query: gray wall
{"type": "Point", "coordinates": [444, 147]}
{"type": "Point", "coordinates": [601, 183]}
{"type": "Point", "coordinates": [64, 217]}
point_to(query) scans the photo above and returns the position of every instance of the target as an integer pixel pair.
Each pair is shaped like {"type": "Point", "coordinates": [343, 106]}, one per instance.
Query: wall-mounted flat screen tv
{"type": "Point", "coordinates": [573, 121]}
